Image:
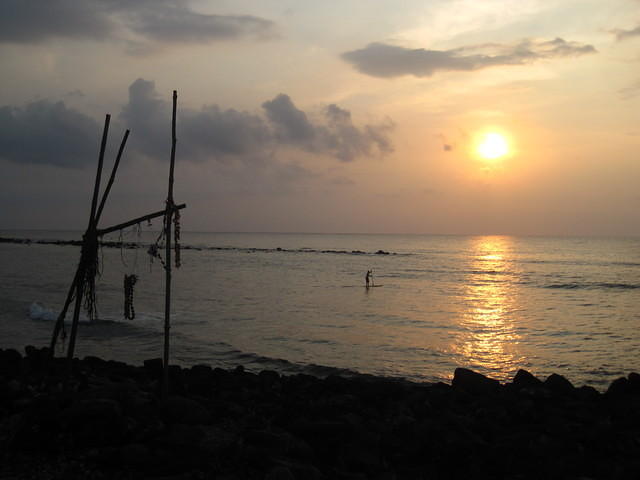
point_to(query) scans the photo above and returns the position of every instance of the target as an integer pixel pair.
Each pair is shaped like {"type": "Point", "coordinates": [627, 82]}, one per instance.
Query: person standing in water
{"type": "Point", "coordinates": [368, 280]}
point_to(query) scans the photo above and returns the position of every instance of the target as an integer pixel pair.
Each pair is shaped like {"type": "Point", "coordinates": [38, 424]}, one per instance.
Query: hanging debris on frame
{"type": "Point", "coordinates": [83, 286]}
{"type": "Point", "coordinates": [129, 283]}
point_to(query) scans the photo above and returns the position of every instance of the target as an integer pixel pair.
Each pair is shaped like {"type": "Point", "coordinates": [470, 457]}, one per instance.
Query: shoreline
{"type": "Point", "coordinates": [233, 424]}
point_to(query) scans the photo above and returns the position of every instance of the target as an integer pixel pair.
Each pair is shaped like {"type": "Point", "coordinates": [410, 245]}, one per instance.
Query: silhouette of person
{"type": "Point", "coordinates": [367, 278]}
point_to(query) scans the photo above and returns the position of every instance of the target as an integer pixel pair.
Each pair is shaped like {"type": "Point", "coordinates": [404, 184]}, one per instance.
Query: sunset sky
{"type": "Point", "coordinates": [334, 116]}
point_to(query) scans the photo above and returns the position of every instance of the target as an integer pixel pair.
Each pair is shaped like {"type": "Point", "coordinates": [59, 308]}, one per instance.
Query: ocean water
{"type": "Point", "coordinates": [297, 303]}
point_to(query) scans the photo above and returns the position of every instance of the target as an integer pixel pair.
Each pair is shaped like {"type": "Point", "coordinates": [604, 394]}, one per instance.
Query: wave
{"type": "Point", "coordinates": [133, 245]}
{"type": "Point", "coordinates": [37, 311]}
{"type": "Point", "coordinates": [593, 286]}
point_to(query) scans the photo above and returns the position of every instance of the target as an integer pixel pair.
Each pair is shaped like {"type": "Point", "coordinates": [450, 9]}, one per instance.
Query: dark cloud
{"type": "Point", "coordinates": [383, 60]}
{"type": "Point", "coordinates": [32, 21]}
{"type": "Point", "coordinates": [174, 23]}
{"type": "Point", "coordinates": [626, 34]}
{"type": "Point", "coordinates": [337, 136]}
{"type": "Point", "coordinates": [291, 124]}
{"type": "Point", "coordinates": [165, 21]}
{"type": "Point", "coordinates": [213, 132]}
{"type": "Point", "coordinates": [51, 133]}
{"type": "Point", "coordinates": [347, 142]}
{"type": "Point", "coordinates": [47, 133]}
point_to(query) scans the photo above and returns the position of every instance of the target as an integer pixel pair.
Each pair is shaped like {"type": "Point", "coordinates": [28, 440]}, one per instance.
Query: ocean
{"type": "Point", "coordinates": [297, 303]}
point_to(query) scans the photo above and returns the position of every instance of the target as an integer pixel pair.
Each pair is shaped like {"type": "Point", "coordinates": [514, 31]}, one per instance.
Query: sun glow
{"type": "Point", "coordinates": [492, 146]}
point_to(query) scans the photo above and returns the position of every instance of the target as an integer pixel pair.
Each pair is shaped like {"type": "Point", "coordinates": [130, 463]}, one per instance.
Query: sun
{"type": "Point", "coordinates": [492, 146]}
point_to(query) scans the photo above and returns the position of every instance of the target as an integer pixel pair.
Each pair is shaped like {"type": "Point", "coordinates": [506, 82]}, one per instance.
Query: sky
{"type": "Point", "coordinates": [350, 116]}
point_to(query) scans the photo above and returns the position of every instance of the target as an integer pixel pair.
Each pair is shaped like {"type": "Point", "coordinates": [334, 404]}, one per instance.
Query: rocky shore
{"type": "Point", "coordinates": [110, 422]}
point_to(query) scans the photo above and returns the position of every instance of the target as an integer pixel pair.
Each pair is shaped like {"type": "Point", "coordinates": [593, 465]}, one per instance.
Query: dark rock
{"type": "Point", "coordinates": [154, 367]}
{"type": "Point", "coordinates": [301, 470]}
{"type": "Point", "coordinates": [634, 383]}
{"type": "Point", "coordinates": [473, 382]}
{"type": "Point", "coordinates": [268, 378]}
{"type": "Point", "coordinates": [181, 435]}
{"type": "Point", "coordinates": [220, 442]}
{"type": "Point", "coordinates": [94, 362]}
{"type": "Point", "coordinates": [200, 379]}
{"type": "Point", "coordinates": [184, 410]}
{"type": "Point", "coordinates": [176, 380]}
{"type": "Point", "coordinates": [588, 393]}
{"type": "Point", "coordinates": [135, 454]}
{"type": "Point", "coordinates": [10, 361]}
{"type": "Point", "coordinates": [382, 252]}
{"type": "Point", "coordinates": [620, 386]}
{"type": "Point", "coordinates": [524, 379]}
{"type": "Point", "coordinates": [559, 384]}
{"type": "Point", "coordinates": [93, 409]}
{"type": "Point", "coordinates": [96, 422]}
{"type": "Point", "coordinates": [279, 473]}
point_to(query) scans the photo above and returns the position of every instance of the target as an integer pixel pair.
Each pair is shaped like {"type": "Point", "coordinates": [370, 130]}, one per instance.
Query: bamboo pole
{"type": "Point", "coordinates": [96, 188]}
{"type": "Point", "coordinates": [89, 246]}
{"type": "Point", "coordinates": [120, 226]}
{"type": "Point", "coordinates": [112, 177]}
{"type": "Point", "coordinates": [63, 314]}
{"type": "Point", "coordinates": [168, 219]}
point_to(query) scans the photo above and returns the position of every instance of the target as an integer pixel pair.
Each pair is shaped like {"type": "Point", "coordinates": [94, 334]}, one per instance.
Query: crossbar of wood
{"type": "Point", "coordinates": [144, 218]}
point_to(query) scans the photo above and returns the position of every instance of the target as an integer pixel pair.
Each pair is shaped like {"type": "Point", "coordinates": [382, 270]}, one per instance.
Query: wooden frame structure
{"type": "Point", "coordinates": [83, 284]}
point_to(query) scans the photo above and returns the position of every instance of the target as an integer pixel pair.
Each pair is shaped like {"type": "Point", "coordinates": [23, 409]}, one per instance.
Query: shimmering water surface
{"type": "Point", "coordinates": [297, 303]}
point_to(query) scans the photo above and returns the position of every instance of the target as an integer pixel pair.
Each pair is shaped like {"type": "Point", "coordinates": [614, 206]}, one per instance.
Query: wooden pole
{"type": "Point", "coordinates": [168, 218]}
{"type": "Point", "coordinates": [112, 177]}
{"type": "Point", "coordinates": [63, 314]}
{"type": "Point", "coordinates": [89, 245]}
{"type": "Point", "coordinates": [96, 188]}
{"type": "Point", "coordinates": [120, 226]}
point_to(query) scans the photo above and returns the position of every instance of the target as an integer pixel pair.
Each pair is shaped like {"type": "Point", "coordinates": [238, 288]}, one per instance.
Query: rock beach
{"type": "Point", "coordinates": [108, 422]}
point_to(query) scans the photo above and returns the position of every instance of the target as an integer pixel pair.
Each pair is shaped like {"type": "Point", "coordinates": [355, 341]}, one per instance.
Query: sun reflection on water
{"type": "Point", "coordinates": [488, 339]}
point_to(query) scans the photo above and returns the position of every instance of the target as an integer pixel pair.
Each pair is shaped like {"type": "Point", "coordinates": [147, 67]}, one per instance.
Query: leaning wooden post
{"type": "Point", "coordinates": [63, 313]}
{"type": "Point", "coordinates": [114, 170]}
{"type": "Point", "coordinates": [89, 246]}
{"type": "Point", "coordinates": [167, 232]}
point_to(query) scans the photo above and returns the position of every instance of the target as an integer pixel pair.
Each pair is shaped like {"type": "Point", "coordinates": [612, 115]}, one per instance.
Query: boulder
{"type": "Point", "coordinates": [619, 387]}
{"type": "Point", "coordinates": [154, 368]}
{"type": "Point", "coordinates": [279, 473]}
{"type": "Point", "coordinates": [559, 384]}
{"type": "Point", "coordinates": [473, 382]}
{"type": "Point", "coordinates": [524, 379]}
{"type": "Point", "coordinates": [178, 409]}
{"type": "Point", "coordinates": [634, 383]}
{"type": "Point", "coordinates": [135, 454]}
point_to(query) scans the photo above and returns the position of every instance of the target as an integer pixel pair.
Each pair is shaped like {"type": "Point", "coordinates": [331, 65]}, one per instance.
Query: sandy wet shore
{"type": "Point", "coordinates": [111, 423]}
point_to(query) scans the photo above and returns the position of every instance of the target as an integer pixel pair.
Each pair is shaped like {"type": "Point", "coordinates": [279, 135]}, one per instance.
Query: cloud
{"type": "Point", "coordinates": [347, 142]}
{"type": "Point", "coordinates": [47, 133]}
{"type": "Point", "coordinates": [291, 124]}
{"type": "Point", "coordinates": [337, 136]}
{"type": "Point", "coordinates": [626, 34]}
{"type": "Point", "coordinates": [51, 133]}
{"type": "Point", "coordinates": [215, 133]}
{"type": "Point", "coordinates": [384, 60]}
{"type": "Point", "coordinates": [630, 91]}
{"type": "Point", "coordinates": [164, 21]}
{"type": "Point", "coordinates": [174, 23]}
